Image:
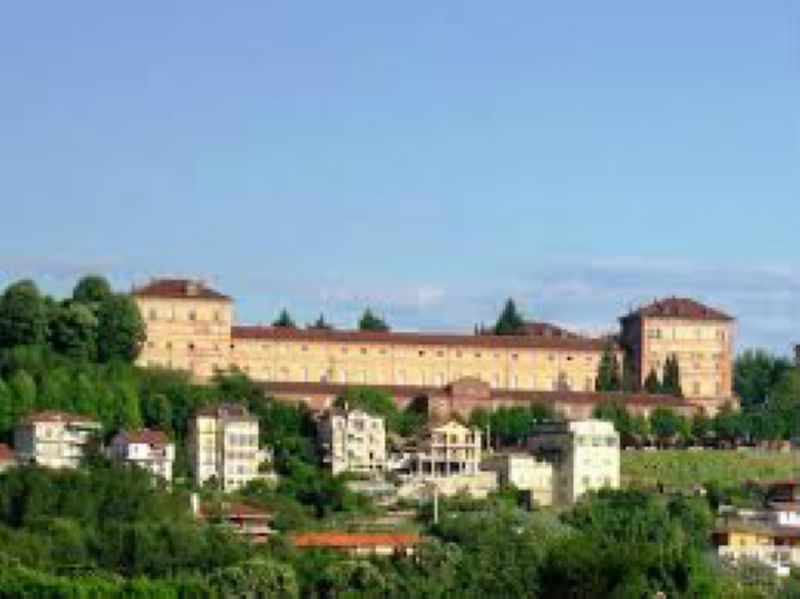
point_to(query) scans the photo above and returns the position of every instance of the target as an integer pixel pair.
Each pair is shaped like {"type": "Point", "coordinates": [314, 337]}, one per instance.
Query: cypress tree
{"type": "Point", "coordinates": [651, 383]}
{"type": "Point", "coordinates": [510, 321]}
{"type": "Point", "coordinates": [608, 371]}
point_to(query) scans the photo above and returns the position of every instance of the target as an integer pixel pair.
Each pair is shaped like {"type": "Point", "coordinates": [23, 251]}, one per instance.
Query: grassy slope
{"type": "Point", "coordinates": [676, 468]}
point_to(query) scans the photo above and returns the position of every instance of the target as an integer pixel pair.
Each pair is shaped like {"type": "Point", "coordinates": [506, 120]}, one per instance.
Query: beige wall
{"type": "Point", "coordinates": [194, 334]}
{"type": "Point", "coordinates": [704, 350]}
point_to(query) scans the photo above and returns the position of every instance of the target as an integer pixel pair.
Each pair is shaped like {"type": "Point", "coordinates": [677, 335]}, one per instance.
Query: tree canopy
{"type": "Point", "coordinates": [510, 321]}
{"type": "Point", "coordinates": [370, 322]}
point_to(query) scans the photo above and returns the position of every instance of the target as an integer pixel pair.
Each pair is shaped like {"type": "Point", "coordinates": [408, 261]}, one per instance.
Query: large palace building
{"type": "Point", "coordinates": [190, 327]}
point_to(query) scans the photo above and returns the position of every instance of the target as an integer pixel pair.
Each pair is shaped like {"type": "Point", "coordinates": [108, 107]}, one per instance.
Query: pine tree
{"type": "Point", "coordinates": [629, 382]}
{"type": "Point", "coordinates": [608, 371]}
{"type": "Point", "coordinates": [510, 321]}
{"type": "Point", "coordinates": [371, 322]}
{"type": "Point", "coordinates": [671, 380]}
{"type": "Point", "coordinates": [651, 383]}
{"type": "Point", "coordinates": [320, 324]}
{"type": "Point", "coordinates": [284, 320]}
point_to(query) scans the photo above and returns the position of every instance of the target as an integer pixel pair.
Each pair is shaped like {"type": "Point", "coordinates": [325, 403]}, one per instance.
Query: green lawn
{"type": "Point", "coordinates": [682, 469]}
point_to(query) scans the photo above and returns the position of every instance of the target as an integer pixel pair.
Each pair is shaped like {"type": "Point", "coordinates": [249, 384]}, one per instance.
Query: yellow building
{"type": "Point", "coordinates": [190, 327]}
{"type": "Point", "coordinates": [700, 337]}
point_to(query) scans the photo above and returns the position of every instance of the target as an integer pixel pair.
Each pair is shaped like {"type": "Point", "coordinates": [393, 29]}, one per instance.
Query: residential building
{"type": "Point", "coordinates": [445, 459]}
{"type": "Point", "coordinates": [700, 337]}
{"type": "Point", "coordinates": [770, 536]}
{"type": "Point", "coordinates": [524, 472]}
{"type": "Point", "coordinates": [148, 449]}
{"type": "Point", "coordinates": [585, 455]}
{"type": "Point", "coordinates": [224, 446]}
{"type": "Point", "coordinates": [352, 441]}
{"type": "Point", "coordinates": [190, 327]}
{"type": "Point", "coordinates": [359, 544]}
{"type": "Point", "coordinates": [54, 439]}
{"type": "Point", "coordinates": [8, 458]}
{"type": "Point", "coordinates": [448, 449]}
{"type": "Point", "coordinates": [242, 519]}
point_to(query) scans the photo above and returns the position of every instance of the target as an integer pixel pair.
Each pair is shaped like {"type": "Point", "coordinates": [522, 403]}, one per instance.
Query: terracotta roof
{"type": "Point", "coordinates": [6, 453]}
{"type": "Point", "coordinates": [236, 511]}
{"type": "Point", "coordinates": [55, 416]}
{"type": "Point", "coordinates": [535, 328]}
{"type": "Point", "coordinates": [549, 397]}
{"type": "Point", "coordinates": [679, 307]}
{"type": "Point", "coordinates": [179, 289]}
{"type": "Point", "coordinates": [430, 339]}
{"type": "Point", "coordinates": [146, 437]}
{"type": "Point", "coordinates": [343, 540]}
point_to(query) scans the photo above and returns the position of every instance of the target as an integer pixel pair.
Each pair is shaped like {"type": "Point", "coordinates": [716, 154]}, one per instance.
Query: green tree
{"type": "Point", "coordinates": [756, 374]}
{"type": "Point", "coordinates": [284, 320]}
{"type": "Point", "coordinates": [256, 579]}
{"type": "Point", "coordinates": [702, 426]}
{"type": "Point", "coordinates": [608, 372]}
{"type": "Point", "coordinates": [651, 383]}
{"type": "Point", "coordinates": [23, 315]}
{"type": "Point", "coordinates": [667, 424]}
{"type": "Point", "coordinates": [671, 381]}
{"type": "Point", "coordinates": [6, 410]}
{"type": "Point", "coordinates": [23, 393]}
{"type": "Point", "coordinates": [510, 321]}
{"type": "Point", "coordinates": [73, 331]}
{"type": "Point", "coordinates": [121, 329]}
{"type": "Point", "coordinates": [371, 322]}
{"type": "Point", "coordinates": [92, 290]}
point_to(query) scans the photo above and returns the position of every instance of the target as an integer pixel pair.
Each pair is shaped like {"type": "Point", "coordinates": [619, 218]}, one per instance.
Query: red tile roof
{"type": "Point", "coordinates": [346, 540]}
{"type": "Point", "coordinates": [679, 307]}
{"type": "Point", "coordinates": [179, 289]}
{"type": "Point", "coordinates": [429, 339]}
{"type": "Point", "coordinates": [6, 453]}
{"type": "Point", "coordinates": [536, 328]}
{"type": "Point", "coordinates": [146, 437]}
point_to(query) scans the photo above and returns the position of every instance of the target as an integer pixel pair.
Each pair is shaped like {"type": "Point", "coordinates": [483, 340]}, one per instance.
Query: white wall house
{"type": "Point", "coordinates": [585, 455]}
{"type": "Point", "coordinates": [54, 439]}
{"type": "Point", "coordinates": [352, 441]}
{"type": "Point", "coordinates": [148, 449]}
{"type": "Point", "coordinates": [224, 446]}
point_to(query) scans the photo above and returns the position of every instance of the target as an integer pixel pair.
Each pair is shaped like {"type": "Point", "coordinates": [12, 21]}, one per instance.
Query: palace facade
{"type": "Point", "coordinates": [191, 327]}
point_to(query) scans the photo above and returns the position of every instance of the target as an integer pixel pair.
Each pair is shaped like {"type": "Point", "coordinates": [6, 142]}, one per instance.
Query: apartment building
{"type": "Point", "coordinates": [148, 449]}
{"type": "Point", "coordinates": [585, 455]}
{"type": "Point", "coordinates": [352, 441]}
{"type": "Point", "coordinates": [54, 439]}
{"type": "Point", "coordinates": [224, 446]}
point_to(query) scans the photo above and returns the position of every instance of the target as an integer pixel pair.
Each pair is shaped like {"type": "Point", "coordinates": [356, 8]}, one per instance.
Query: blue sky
{"type": "Point", "coordinates": [427, 158]}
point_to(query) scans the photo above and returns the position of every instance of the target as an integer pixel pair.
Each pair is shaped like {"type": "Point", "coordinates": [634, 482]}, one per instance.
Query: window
{"type": "Point", "coordinates": [514, 356]}
{"type": "Point", "coordinates": [191, 346]}
{"type": "Point", "coordinates": [217, 316]}
{"type": "Point", "coordinates": [192, 315]}
{"type": "Point", "coordinates": [364, 350]}
{"type": "Point", "coordinates": [422, 352]}
{"type": "Point", "coordinates": [696, 388]}
{"type": "Point", "coordinates": [152, 314]}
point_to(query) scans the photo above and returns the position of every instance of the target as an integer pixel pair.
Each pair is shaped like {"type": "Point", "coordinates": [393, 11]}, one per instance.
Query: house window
{"type": "Point", "coordinates": [152, 315]}
{"type": "Point", "coordinates": [192, 315]}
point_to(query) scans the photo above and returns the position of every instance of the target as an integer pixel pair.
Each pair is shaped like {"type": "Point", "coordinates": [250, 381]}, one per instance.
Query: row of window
{"type": "Point", "coordinates": [699, 333]}
{"type": "Point", "coordinates": [191, 315]}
